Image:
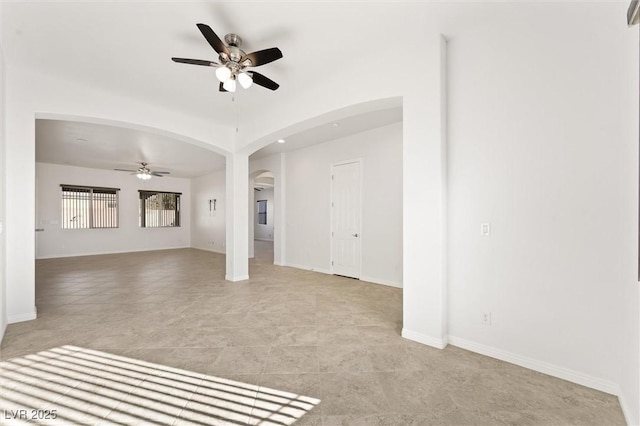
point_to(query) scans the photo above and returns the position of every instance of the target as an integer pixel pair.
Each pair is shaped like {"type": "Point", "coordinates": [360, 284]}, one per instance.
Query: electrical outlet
{"type": "Point", "coordinates": [486, 318]}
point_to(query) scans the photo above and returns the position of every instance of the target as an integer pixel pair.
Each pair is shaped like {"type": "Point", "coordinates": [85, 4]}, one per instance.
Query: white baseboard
{"type": "Point", "coordinates": [98, 253]}
{"type": "Point", "coordinates": [328, 272]}
{"type": "Point", "coordinates": [209, 249]}
{"type": "Point", "coordinates": [308, 268]}
{"type": "Point", "coordinates": [629, 416]}
{"type": "Point", "coordinates": [424, 339]}
{"type": "Point", "coordinates": [4, 329]}
{"type": "Point", "coordinates": [23, 317]}
{"type": "Point", "coordinates": [236, 279]}
{"type": "Point", "coordinates": [536, 365]}
{"type": "Point", "coordinates": [381, 282]}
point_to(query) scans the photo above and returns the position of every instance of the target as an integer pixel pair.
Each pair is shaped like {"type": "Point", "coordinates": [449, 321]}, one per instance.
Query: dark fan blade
{"type": "Point", "coordinates": [213, 39]}
{"type": "Point", "coordinates": [125, 170]}
{"type": "Point", "coordinates": [263, 81]}
{"type": "Point", "coordinates": [162, 173]}
{"type": "Point", "coordinates": [262, 57]}
{"type": "Point", "coordinates": [195, 62]}
{"type": "Point", "coordinates": [156, 174]}
{"type": "Point", "coordinates": [221, 88]}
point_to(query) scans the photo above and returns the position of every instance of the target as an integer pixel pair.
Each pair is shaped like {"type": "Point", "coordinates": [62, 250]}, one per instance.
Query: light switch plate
{"type": "Point", "coordinates": [485, 229]}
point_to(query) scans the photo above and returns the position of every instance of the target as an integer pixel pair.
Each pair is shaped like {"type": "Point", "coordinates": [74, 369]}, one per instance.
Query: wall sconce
{"type": "Point", "coordinates": [212, 204]}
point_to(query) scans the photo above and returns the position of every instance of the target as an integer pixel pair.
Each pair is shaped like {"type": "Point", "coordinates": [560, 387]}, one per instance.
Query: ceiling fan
{"type": "Point", "coordinates": [143, 172]}
{"type": "Point", "coordinates": [234, 61]}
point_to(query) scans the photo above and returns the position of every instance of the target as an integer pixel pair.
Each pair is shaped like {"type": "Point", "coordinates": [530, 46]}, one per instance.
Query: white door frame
{"type": "Point", "coordinates": [331, 166]}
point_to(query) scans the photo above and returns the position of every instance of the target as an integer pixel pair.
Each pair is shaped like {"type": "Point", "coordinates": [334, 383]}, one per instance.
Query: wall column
{"type": "Point", "coordinates": [424, 202]}
{"type": "Point", "coordinates": [19, 216]}
{"type": "Point", "coordinates": [279, 198]}
{"type": "Point", "coordinates": [237, 219]}
{"type": "Point", "coordinates": [251, 222]}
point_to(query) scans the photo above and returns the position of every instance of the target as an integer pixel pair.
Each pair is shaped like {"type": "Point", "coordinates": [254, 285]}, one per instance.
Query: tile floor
{"type": "Point", "coordinates": [326, 337]}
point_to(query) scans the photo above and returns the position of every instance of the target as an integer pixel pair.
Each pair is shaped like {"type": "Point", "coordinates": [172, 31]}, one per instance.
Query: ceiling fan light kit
{"type": "Point", "coordinates": [143, 172]}
{"type": "Point", "coordinates": [234, 61]}
{"type": "Point", "coordinates": [229, 85]}
{"type": "Point", "coordinates": [245, 80]}
{"type": "Point", "coordinates": [223, 74]}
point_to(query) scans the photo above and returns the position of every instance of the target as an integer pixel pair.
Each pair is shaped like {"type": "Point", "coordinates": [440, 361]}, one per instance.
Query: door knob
{"type": "Point", "coordinates": [355, 235]}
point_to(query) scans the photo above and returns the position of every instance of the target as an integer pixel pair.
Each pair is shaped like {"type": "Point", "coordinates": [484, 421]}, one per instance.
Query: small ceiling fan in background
{"type": "Point", "coordinates": [144, 172]}
{"type": "Point", "coordinates": [234, 61]}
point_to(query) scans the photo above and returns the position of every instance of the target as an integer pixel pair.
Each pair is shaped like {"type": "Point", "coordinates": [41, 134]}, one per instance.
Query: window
{"type": "Point", "coordinates": [262, 212]}
{"type": "Point", "coordinates": [159, 209]}
{"type": "Point", "coordinates": [85, 207]}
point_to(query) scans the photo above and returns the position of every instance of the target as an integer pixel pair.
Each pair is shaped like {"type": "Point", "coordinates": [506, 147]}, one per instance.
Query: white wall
{"type": "Point", "coordinates": [263, 232]}
{"type": "Point", "coordinates": [208, 226]}
{"type": "Point", "coordinates": [3, 306]}
{"type": "Point", "coordinates": [56, 242]}
{"type": "Point", "coordinates": [629, 369]}
{"type": "Point", "coordinates": [543, 144]}
{"type": "Point", "coordinates": [308, 203]}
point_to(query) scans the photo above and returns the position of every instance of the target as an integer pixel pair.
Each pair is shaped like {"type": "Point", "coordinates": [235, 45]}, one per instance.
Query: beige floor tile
{"type": "Point", "coordinates": [415, 392]}
{"type": "Point", "coordinates": [340, 335]}
{"type": "Point", "coordinates": [345, 394]}
{"type": "Point", "coordinates": [241, 360]}
{"type": "Point", "coordinates": [175, 320]}
{"type": "Point", "coordinates": [344, 359]}
{"type": "Point", "coordinates": [295, 336]}
{"type": "Point", "coordinates": [292, 359]}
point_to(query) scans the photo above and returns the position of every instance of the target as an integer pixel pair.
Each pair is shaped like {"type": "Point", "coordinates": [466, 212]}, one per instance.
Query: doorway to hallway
{"type": "Point", "coordinates": [262, 216]}
{"type": "Point", "coordinates": [263, 252]}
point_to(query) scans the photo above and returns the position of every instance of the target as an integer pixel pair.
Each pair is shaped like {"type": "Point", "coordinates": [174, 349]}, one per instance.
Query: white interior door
{"type": "Point", "coordinates": [345, 219]}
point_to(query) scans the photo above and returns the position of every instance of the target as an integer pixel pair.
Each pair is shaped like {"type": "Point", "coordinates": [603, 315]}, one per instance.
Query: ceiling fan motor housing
{"type": "Point", "coordinates": [233, 40]}
{"type": "Point", "coordinates": [234, 61]}
{"type": "Point", "coordinates": [235, 53]}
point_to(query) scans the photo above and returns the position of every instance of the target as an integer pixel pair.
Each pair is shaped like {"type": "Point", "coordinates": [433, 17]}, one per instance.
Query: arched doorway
{"type": "Point", "coordinates": [262, 216]}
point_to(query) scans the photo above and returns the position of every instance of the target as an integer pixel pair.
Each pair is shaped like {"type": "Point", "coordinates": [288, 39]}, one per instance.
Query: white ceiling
{"type": "Point", "coordinates": [125, 48]}
{"type": "Point", "coordinates": [107, 147]}
{"type": "Point", "coordinates": [334, 129]}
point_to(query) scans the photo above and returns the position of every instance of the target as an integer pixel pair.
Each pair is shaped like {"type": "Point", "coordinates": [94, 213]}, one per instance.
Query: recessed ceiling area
{"type": "Point", "coordinates": [107, 147]}
{"type": "Point", "coordinates": [333, 129]}
{"type": "Point", "coordinates": [264, 180]}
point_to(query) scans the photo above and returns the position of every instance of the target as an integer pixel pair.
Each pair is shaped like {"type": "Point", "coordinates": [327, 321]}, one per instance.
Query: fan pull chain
{"type": "Point", "coordinates": [233, 99]}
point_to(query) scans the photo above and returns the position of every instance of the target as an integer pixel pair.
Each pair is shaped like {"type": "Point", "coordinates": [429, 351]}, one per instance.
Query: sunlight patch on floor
{"type": "Point", "coordinates": [70, 384]}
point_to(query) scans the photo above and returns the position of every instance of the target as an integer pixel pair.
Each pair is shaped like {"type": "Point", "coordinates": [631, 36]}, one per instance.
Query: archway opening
{"type": "Point", "coordinates": [262, 216]}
